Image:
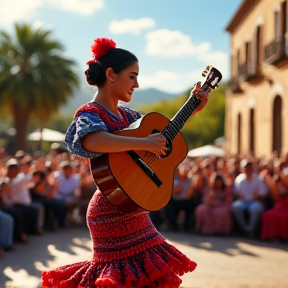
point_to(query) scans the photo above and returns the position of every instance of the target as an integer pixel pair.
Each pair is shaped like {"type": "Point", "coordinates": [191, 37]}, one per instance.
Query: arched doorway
{"type": "Point", "coordinates": [277, 125]}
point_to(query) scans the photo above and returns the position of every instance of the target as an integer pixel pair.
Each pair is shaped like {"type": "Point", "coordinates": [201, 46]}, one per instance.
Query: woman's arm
{"type": "Point", "coordinates": [105, 142]}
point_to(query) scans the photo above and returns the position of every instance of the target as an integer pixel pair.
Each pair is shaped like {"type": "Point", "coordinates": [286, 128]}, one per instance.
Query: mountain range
{"type": "Point", "coordinates": [140, 97]}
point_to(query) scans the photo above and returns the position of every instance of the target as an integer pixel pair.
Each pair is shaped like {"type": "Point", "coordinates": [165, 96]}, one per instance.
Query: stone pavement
{"type": "Point", "coordinates": [223, 262]}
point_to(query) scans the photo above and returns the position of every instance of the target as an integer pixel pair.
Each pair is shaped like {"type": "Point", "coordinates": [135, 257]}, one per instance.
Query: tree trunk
{"type": "Point", "coordinates": [21, 118]}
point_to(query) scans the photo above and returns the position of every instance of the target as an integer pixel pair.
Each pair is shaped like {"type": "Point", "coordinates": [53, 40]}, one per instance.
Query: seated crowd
{"type": "Point", "coordinates": [221, 196]}
{"type": "Point", "coordinates": [41, 193]}
{"type": "Point", "coordinates": [231, 195]}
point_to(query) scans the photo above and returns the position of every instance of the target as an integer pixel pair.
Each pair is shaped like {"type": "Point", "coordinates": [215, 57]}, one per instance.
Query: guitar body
{"type": "Point", "coordinates": [124, 183]}
{"type": "Point", "coordinates": [135, 180]}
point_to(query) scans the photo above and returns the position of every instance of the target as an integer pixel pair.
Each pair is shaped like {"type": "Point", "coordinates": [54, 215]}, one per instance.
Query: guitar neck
{"type": "Point", "coordinates": [180, 118]}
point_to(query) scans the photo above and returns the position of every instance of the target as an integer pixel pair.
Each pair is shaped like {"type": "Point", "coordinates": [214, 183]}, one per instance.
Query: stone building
{"type": "Point", "coordinates": [257, 95]}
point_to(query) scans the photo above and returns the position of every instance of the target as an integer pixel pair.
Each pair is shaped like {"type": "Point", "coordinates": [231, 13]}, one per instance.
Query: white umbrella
{"type": "Point", "coordinates": [46, 135]}
{"type": "Point", "coordinates": [207, 150]}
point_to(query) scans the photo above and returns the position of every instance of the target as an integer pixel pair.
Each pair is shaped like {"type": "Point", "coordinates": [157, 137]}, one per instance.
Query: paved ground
{"type": "Point", "coordinates": [222, 262]}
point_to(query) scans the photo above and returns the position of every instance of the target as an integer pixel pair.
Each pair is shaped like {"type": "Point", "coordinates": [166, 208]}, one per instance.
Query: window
{"type": "Point", "coordinates": [251, 132]}
{"type": "Point", "coordinates": [239, 125]}
{"type": "Point", "coordinates": [277, 125]}
{"type": "Point", "coordinates": [277, 25]}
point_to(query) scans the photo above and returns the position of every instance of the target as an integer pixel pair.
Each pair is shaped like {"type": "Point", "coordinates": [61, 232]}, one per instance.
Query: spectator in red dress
{"type": "Point", "coordinates": [274, 223]}
{"type": "Point", "coordinates": [214, 215]}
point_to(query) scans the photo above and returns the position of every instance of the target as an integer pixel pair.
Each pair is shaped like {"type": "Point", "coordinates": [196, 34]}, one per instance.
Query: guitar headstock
{"type": "Point", "coordinates": [213, 77]}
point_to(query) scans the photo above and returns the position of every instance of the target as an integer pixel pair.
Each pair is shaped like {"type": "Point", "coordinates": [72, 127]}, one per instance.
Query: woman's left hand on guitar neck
{"type": "Point", "coordinates": [204, 96]}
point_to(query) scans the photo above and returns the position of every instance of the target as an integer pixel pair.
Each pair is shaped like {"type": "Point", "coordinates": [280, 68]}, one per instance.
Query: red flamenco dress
{"type": "Point", "coordinates": [128, 250]}
{"type": "Point", "coordinates": [275, 220]}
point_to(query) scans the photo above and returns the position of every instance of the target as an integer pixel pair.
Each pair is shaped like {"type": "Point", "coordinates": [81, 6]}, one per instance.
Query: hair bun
{"type": "Point", "coordinates": [100, 47]}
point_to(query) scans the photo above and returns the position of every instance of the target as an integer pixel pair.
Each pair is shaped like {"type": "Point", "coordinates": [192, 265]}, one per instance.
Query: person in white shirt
{"type": "Point", "coordinates": [67, 183]}
{"type": "Point", "coordinates": [20, 184]}
{"type": "Point", "coordinates": [68, 186]}
{"type": "Point", "coordinates": [251, 192]}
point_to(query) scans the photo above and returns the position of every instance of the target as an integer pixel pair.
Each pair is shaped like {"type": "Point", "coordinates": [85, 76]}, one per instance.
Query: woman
{"type": "Point", "coordinates": [214, 215]}
{"type": "Point", "coordinates": [43, 193]}
{"type": "Point", "coordinates": [274, 222]}
{"type": "Point", "coordinates": [128, 250]}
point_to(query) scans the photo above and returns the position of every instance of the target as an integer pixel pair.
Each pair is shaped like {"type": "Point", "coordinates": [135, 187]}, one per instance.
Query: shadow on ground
{"type": "Point", "coordinates": [229, 245]}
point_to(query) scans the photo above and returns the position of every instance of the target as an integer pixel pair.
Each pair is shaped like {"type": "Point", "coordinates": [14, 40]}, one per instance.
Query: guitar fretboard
{"type": "Point", "coordinates": [178, 121]}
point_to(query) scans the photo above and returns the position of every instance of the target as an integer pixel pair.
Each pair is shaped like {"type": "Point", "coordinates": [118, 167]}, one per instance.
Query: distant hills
{"type": "Point", "coordinates": [140, 97]}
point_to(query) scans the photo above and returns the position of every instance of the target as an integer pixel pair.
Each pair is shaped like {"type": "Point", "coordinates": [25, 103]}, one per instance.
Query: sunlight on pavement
{"type": "Point", "coordinates": [83, 242]}
{"type": "Point", "coordinates": [207, 245]}
{"type": "Point", "coordinates": [20, 278]}
{"type": "Point", "coordinates": [81, 251]}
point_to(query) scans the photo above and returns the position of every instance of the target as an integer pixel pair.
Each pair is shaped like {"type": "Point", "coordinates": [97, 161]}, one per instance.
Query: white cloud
{"type": "Point", "coordinates": [133, 26]}
{"type": "Point", "coordinates": [170, 81]}
{"type": "Point", "coordinates": [167, 43]}
{"type": "Point", "coordinates": [19, 10]}
{"type": "Point", "coordinates": [15, 10]}
{"type": "Point", "coordinates": [174, 82]}
{"type": "Point", "coordinates": [84, 7]}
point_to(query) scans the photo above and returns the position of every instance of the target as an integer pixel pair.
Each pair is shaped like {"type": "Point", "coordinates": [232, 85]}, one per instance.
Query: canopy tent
{"type": "Point", "coordinates": [46, 135]}
{"type": "Point", "coordinates": [205, 151]}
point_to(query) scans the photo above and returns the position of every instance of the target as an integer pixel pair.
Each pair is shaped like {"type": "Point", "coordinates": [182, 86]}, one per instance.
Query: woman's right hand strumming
{"type": "Point", "coordinates": [157, 144]}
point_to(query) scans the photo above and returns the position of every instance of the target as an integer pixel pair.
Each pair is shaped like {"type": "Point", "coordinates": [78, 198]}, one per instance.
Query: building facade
{"type": "Point", "coordinates": [257, 94]}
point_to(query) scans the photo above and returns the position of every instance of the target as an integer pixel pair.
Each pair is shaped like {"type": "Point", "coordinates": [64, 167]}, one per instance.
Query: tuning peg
{"type": "Point", "coordinates": [216, 86]}
{"type": "Point", "coordinates": [208, 68]}
{"type": "Point", "coordinates": [204, 73]}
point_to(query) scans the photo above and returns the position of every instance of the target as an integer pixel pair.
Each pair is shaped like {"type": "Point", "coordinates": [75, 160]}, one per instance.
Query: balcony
{"type": "Point", "coordinates": [276, 51]}
{"type": "Point", "coordinates": [247, 73]}
{"type": "Point", "coordinates": [234, 85]}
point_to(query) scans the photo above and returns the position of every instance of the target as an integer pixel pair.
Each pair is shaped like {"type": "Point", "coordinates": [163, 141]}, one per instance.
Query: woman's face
{"type": "Point", "coordinates": [218, 183]}
{"type": "Point", "coordinates": [125, 82]}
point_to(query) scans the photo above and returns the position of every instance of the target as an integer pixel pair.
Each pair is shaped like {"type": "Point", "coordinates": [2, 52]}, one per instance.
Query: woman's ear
{"type": "Point", "coordinates": [110, 74]}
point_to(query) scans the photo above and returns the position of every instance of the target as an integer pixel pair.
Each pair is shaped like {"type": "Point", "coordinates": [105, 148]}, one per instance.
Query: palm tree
{"type": "Point", "coordinates": [35, 78]}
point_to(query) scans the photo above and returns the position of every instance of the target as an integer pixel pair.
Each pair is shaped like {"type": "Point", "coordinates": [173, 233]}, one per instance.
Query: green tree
{"type": "Point", "coordinates": [35, 78]}
{"type": "Point", "coordinates": [205, 126]}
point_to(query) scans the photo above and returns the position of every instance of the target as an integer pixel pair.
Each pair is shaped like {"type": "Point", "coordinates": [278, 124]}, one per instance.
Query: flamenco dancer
{"type": "Point", "coordinates": [128, 250]}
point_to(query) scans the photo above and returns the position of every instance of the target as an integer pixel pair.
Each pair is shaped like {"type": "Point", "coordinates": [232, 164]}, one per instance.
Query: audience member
{"type": "Point", "coordinates": [6, 228]}
{"type": "Point", "coordinates": [42, 192]}
{"type": "Point", "coordinates": [17, 213]}
{"type": "Point", "coordinates": [20, 197]}
{"type": "Point", "coordinates": [250, 194]}
{"type": "Point", "coordinates": [181, 198]}
{"type": "Point", "coordinates": [214, 215]}
{"type": "Point", "coordinates": [68, 186]}
{"type": "Point", "coordinates": [275, 220]}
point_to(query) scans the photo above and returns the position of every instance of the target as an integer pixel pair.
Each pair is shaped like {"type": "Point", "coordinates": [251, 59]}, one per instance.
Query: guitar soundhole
{"type": "Point", "coordinates": [168, 145]}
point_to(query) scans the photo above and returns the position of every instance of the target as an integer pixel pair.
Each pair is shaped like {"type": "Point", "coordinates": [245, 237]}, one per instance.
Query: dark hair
{"type": "Point", "coordinates": [221, 178]}
{"type": "Point", "coordinates": [118, 59]}
{"type": "Point", "coordinates": [39, 173]}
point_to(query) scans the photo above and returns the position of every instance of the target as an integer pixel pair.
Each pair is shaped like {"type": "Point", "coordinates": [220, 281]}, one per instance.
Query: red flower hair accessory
{"type": "Point", "coordinates": [100, 47]}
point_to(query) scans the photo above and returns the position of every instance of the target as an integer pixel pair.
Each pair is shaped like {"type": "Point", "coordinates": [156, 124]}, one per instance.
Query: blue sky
{"type": "Point", "coordinates": [173, 40]}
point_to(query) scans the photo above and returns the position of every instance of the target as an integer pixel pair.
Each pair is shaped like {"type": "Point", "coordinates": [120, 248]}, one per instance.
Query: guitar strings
{"type": "Point", "coordinates": [150, 159]}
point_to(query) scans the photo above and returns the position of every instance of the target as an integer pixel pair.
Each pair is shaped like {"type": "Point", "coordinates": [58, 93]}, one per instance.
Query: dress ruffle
{"type": "Point", "coordinates": [128, 253]}
{"type": "Point", "coordinates": [155, 267]}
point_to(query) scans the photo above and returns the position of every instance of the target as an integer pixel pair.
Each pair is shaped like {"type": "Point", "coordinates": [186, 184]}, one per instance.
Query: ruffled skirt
{"type": "Point", "coordinates": [128, 252]}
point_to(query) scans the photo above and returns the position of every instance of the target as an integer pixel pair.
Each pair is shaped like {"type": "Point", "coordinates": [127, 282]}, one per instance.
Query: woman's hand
{"type": "Point", "coordinates": [202, 95]}
{"type": "Point", "coordinates": [156, 144]}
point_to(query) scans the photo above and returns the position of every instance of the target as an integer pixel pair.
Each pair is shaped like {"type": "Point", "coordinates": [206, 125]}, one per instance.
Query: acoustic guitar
{"type": "Point", "coordinates": [135, 180]}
